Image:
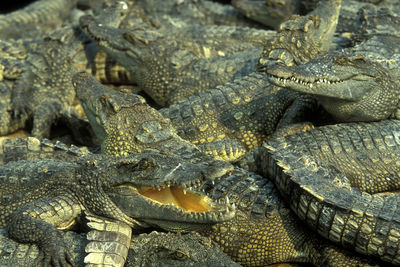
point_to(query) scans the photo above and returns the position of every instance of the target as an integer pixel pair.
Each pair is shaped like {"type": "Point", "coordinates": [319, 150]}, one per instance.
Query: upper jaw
{"type": "Point", "coordinates": [171, 204]}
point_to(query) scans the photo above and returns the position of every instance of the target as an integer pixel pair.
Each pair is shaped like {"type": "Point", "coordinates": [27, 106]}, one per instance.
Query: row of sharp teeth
{"type": "Point", "coordinates": [309, 84]}
{"type": "Point", "coordinates": [196, 184]}
{"type": "Point", "coordinates": [229, 207]}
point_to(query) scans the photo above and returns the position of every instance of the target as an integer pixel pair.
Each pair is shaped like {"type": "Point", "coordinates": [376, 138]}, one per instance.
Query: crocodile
{"type": "Point", "coordinates": [273, 12]}
{"type": "Point", "coordinates": [201, 12]}
{"type": "Point", "coordinates": [37, 187]}
{"type": "Point", "coordinates": [342, 180]}
{"type": "Point", "coordinates": [36, 78]}
{"type": "Point", "coordinates": [32, 148]}
{"type": "Point", "coordinates": [126, 123]}
{"type": "Point", "coordinates": [38, 18]}
{"type": "Point", "coordinates": [359, 83]}
{"type": "Point", "coordinates": [38, 81]}
{"type": "Point", "coordinates": [172, 65]}
{"type": "Point", "coordinates": [264, 230]}
{"type": "Point", "coordinates": [229, 120]}
{"type": "Point", "coordinates": [194, 59]}
{"type": "Point", "coordinates": [154, 249]}
{"type": "Point", "coordinates": [270, 13]}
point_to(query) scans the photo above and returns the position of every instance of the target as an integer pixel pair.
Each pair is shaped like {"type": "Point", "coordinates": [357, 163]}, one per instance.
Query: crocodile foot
{"type": "Point", "coordinates": [54, 253]}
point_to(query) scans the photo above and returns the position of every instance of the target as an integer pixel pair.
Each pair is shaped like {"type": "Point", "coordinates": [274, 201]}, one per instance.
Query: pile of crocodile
{"type": "Point", "coordinates": [200, 133]}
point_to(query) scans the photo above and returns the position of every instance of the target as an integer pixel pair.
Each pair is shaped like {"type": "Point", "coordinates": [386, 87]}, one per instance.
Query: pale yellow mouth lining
{"type": "Point", "coordinates": [177, 196]}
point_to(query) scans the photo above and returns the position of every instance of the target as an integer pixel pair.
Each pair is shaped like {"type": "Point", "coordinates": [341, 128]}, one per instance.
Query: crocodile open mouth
{"type": "Point", "coordinates": [172, 203]}
{"type": "Point", "coordinates": [184, 199]}
{"type": "Point", "coordinates": [177, 196]}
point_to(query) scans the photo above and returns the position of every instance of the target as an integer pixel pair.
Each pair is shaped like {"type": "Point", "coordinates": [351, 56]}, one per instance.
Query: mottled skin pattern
{"type": "Point", "coordinates": [170, 65]}
{"type": "Point", "coordinates": [231, 120]}
{"type": "Point", "coordinates": [38, 18]}
{"type": "Point", "coordinates": [39, 207]}
{"type": "Point", "coordinates": [273, 12]}
{"type": "Point", "coordinates": [342, 180]}
{"type": "Point", "coordinates": [349, 86]}
{"type": "Point", "coordinates": [32, 148]}
{"type": "Point", "coordinates": [126, 123]}
{"type": "Point", "coordinates": [301, 38]}
{"type": "Point", "coordinates": [170, 249]}
{"type": "Point", "coordinates": [154, 249]}
{"type": "Point", "coordinates": [359, 83]}
{"type": "Point", "coordinates": [165, 13]}
{"type": "Point", "coordinates": [13, 254]}
{"type": "Point", "coordinates": [270, 13]}
{"type": "Point", "coordinates": [263, 231]}
{"type": "Point", "coordinates": [41, 87]}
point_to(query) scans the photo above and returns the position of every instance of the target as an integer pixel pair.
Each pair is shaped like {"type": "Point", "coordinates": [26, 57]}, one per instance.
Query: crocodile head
{"type": "Point", "coordinates": [128, 47]}
{"type": "Point", "coordinates": [301, 38]}
{"type": "Point", "coordinates": [99, 105]}
{"type": "Point", "coordinates": [271, 12]}
{"type": "Point", "coordinates": [122, 120]}
{"type": "Point", "coordinates": [157, 190]}
{"type": "Point", "coordinates": [351, 88]}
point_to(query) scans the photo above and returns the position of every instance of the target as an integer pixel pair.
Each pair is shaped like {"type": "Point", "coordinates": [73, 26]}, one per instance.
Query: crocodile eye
{"type": "Point", "coordinates": [275, 3]}
{"type": "Point", "coordinates": [130, 37]}
{"type": "Point", "coordinates": [356, 60]}
{"type": "Point", "coordinates": [359, 59]}
{"type": "Point", "coordinates": [180, 256]}
{"type": "Point", "coordinates": [134, 165]}
{"type": "Point", "coordinates": [109, 104]}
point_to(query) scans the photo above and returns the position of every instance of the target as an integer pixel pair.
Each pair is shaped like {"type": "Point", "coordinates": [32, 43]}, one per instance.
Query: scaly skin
{"type": "Point", "coordinates": [170, 65]}
{"type": "Point", "coordinates": [201, 12]}
{"type": "Point", "coordinates": [233, 119]}
{"type": "Point", "coordinates": [127, 124]}
{"type": "Point", "coordinates": [32, 148]}
{"type": "Point", "coordinates": [301, 38]}
{"type": "Point", "coordinates": [50, 194]}
{"type": "Point", "coordinates": [348, 86]}
{"type": "Point", "coordinates": [342, 180]}
{"type": "Point", "coordinates": [38, 18]}
{"type": "Point", "coordinates": [221, 121]}
{"type": "Point", "coordinates": [264, 231]}
{"type": "Point", "coordinates": [154, 249]}
{"type": "Point", "coordinates": [37, 78]}
{"type": "Point", "coordinates": [182, 249]}
{"type": "Point", "coordinates": [40, 82]}
{"type": "Point", "coordinates": [359, 83]}
{"type": "Point", "coordinates": [270, 13]}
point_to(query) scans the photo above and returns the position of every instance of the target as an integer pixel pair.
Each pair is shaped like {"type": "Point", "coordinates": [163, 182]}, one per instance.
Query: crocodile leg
{"type": "Point", "coordinates": [44, 215]}
{"type": "Point", "coordinates": [109, 242]}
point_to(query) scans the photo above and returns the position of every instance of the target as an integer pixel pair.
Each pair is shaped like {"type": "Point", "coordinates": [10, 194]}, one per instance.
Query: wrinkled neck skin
{"type": "Point", "coordinates": [379, 101]}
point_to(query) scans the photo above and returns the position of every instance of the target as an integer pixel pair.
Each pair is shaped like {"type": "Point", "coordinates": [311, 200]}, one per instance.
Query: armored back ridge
{"type": "Point", "coordinates": [342, 180]}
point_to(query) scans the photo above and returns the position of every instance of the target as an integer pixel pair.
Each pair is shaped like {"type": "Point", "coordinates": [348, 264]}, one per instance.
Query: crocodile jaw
{"type": "Point", "coordinates": [335, 88]}
{"type": "Point", "coordinates": [171, 207]}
